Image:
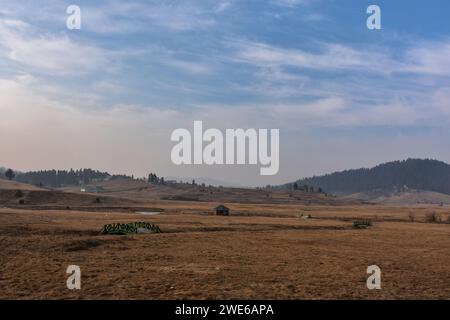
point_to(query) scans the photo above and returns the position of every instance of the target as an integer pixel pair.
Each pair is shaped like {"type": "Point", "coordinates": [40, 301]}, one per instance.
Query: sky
{"type": "Point", "coordinates": [109, 95]}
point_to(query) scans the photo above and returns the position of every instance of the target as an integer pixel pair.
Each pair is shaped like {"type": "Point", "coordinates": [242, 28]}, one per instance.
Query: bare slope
{"type": "Point", "coordinates": [142, 191]}
{"type": "Point", "coordinates": [57, 199]}
{"type": "Point", "coordinates": [408, 197]}
{"type": "Point", "coordinates": [14, 185]}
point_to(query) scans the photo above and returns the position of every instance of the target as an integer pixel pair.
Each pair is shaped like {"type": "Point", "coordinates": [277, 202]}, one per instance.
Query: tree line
{"type": "Point", "coordinates": [60, 178]}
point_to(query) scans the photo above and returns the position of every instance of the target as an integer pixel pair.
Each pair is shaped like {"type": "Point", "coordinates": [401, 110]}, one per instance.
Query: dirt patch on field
{"type": "Point", "coordinates": [79, 245]}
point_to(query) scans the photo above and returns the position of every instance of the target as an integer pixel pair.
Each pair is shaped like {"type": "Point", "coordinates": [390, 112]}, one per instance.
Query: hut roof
{"type": "Point", "coordinates": [221, 207]}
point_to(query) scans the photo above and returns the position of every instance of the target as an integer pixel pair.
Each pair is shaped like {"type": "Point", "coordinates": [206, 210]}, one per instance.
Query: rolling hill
{"type": "Point", "coordinates": [413, 174]}
{"type": "Point", "coordinates": [404, 196]}
{"type": "Point", "coordinates": [14, 185]}
{"type": "Point", "coordinates": [139, 190]}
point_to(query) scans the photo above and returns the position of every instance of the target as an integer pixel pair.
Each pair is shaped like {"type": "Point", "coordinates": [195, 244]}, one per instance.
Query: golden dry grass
{"type": "Point", "coordinates": [265, 252]}
{"type": "Point", "coordinates": [14, 185]}
{"type": "Point", "coordinates": [142, 191]}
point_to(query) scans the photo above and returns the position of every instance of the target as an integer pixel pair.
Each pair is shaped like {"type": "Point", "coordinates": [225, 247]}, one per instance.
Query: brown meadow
{"type": "Point", "coordinates": [262, 251]}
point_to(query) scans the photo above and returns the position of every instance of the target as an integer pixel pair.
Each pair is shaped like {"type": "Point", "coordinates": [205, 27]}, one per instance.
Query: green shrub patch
{"type": "Point", "coordinates": [130, 228]}
{"type": "Point", "coordinates": [362, 224]}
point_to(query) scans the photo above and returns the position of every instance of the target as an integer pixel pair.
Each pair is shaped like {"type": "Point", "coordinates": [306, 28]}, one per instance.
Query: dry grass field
{"type": "Point", "coordinates": [262, 251]}
{"type": "Point", "coordinates": [143, 191]}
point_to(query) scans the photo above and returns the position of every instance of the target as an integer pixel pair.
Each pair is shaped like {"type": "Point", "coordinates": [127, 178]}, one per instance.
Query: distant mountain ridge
{"type": "Point", "coordinates": [418, 174]}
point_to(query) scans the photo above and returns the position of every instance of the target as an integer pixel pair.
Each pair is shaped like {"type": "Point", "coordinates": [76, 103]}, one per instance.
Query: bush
{"type": "Point", "coordinates": [129, 228]}
{"type": "Point", "coordinates": [10, 174]}
{"type": "Point", "coordinates": [362, 224]}
{"type": "Point", "coordinates": [431, 217]}
{"type": "Point", "coordinates": [412, 217]}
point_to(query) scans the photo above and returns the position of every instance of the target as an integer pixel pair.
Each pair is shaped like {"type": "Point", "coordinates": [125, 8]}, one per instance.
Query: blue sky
{"type": "Point", "coordinates": [108, 95]}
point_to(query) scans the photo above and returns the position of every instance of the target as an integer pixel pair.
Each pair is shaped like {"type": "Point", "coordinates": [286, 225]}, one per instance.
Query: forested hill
{"type": "Point", "coordinates": [58, 178]}
{"type": "Point", "coordinates": [63, 178]}
{"type": "Point", "coordinates": [430, 175]}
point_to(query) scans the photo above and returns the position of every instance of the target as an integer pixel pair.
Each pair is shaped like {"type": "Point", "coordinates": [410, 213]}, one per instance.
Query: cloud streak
{"type": "Point", "coordinates": [55, 54]}
{"type": "Point", "coordinates": [426, 58]}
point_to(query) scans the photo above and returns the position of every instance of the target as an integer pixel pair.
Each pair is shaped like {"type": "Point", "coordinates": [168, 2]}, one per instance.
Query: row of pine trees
{"type": "Point", "coordinates": [60, 178]}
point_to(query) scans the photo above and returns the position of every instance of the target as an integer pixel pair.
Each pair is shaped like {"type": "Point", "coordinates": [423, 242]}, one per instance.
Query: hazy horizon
{"type": "Point", "coordinates": [214, 181]}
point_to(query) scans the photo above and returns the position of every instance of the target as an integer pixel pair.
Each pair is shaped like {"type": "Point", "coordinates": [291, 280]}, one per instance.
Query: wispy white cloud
{"type": "Point", "coordinates": [222, 6]}
{"type": "Point", "coordinates": [330, 56]}
{"type": "Point", "coordinates": [421, 58]}
{"type": "Point", "coordinates": [188, 66]}
{"type": "Point", "coordinates": [429, 58]}
{"type": "Point", "coordinates": [58, 54]}
{"type": "Point", "coordinates": [125, 17]}
{"type": "Point", "coordinates": [330, 112]}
